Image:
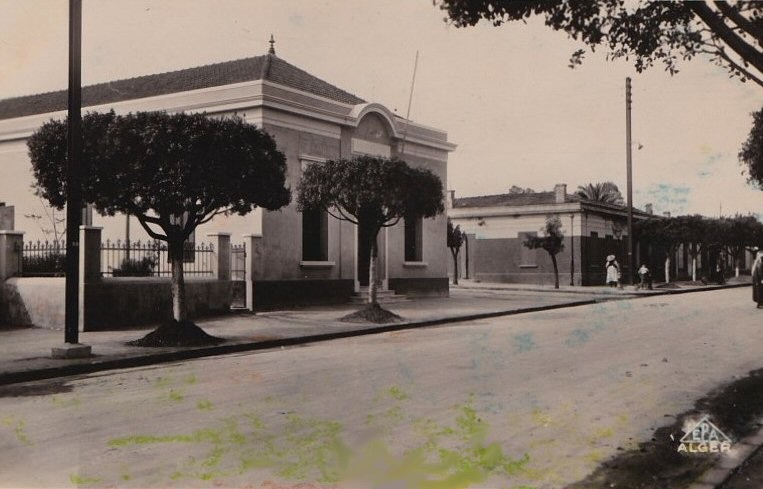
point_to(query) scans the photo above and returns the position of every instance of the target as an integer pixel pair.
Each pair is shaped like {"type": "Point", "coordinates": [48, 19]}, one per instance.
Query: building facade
{"type": "Point", "coordinates": [300, 258]}
{"type": "Point", "coordinates": [497, 225]}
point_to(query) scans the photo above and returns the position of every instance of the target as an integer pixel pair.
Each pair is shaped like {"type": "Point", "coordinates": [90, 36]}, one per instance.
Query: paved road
{"type": "Point", "coordinates": [535, 400]}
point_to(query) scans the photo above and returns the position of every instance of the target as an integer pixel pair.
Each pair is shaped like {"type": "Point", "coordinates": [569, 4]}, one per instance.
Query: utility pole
{"type": "Point", "coordinates": [572, 249]}
{"type": "Point", "coordinates": [72, 348]}
{"type": "Point", "coordinates": [629, 165]}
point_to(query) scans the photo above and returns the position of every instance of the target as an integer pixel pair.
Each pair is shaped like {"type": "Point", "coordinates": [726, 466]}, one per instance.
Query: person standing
{"type": "Point", "coordinates": [645, 277]}
{"type": "Point", "coordinates": [613, 271]}
{"type": "Point", "coordinates": [757, 279]}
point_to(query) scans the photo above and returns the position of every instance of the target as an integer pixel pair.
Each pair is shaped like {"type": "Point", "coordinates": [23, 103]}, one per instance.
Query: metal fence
{"type": "Point", "coordinates": [43, 259]}
{"type": "Point", "coordinates": [122, 259]}
{"type": "Point", "coordinates": [151, 259]}
{"type": "Point", "coordinates": [238, 262]}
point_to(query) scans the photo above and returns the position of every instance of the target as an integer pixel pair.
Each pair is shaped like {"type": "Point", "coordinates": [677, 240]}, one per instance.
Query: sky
{"type": "Point", "coordinates": [505, 95]}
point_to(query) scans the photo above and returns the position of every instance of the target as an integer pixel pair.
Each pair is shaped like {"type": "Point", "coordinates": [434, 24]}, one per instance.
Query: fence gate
{"type": "Point", "coordinates": [238, 275]}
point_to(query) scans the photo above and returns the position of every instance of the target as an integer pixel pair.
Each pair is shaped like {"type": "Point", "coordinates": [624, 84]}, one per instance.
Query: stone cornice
{"type": "Point", "coordinates": [240, 97]}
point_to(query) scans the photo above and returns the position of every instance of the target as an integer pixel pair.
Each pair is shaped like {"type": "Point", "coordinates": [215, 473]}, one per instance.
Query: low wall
{"type": "Point", "coordinates": [420, 287]}
{"type": "Point", "coordinates": [111, 303]}
{"type": "Point", "coordinates": [274, 294]}
{"type": "Point", "coordinates": [115, 303]}
{"type": "Point", "coordinates": [37, 301]}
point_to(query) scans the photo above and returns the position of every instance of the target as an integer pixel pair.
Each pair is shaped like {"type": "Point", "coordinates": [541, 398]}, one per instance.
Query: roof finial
{"type": "Point", "coordinates": [272, 41]}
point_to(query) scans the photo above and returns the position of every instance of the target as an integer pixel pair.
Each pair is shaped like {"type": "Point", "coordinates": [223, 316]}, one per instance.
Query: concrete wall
{"type": "Point", "coordinates": [33, 301]}
{"type": "Point", "coordinates": [498, 260]}
{"type": "Point", "coordinates": [122, 302]}
{"type": "Point", "coordinates": [110, 304]}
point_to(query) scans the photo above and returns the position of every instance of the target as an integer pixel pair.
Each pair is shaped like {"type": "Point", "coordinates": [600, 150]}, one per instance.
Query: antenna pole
{"type": "Point", "coordinates": [410, 99]}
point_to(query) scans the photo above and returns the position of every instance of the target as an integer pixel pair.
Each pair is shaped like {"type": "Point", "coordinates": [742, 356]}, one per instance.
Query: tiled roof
{"type": "Point", "coordinates": [266, 67]}
{"type": "Point", "coordinates": [536, 198]}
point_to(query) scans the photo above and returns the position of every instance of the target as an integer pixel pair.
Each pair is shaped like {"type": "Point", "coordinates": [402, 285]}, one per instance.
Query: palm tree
{"type": "Point", "coordinates": [604, 192]}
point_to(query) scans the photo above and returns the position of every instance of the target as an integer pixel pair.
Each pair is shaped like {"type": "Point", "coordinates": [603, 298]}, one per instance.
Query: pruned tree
{"type": "Point", "coordinates": [173, 172]}
{"type": "Point", "coordinates": [664, 233]}
{"type": "Point", "coordinates": [551, 240]}
{"type": "Point", "coordinates": [603, 192]}
{"type": "Point", "coordinates": [372, 193]}
{"type": "Point", "coordinates": [738, 235]}
{"type": "Point", "coordinates": [730, 34]}
{"type": "Point", "coordinates": [455, 240]}
{"type": "Point", "coordinates": [695, 231]}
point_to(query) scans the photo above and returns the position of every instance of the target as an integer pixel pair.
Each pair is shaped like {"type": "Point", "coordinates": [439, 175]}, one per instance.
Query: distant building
{"type": "Point", "coordinates": [301, 257]}
{"type": "Point", "coordinates": [496, 226]}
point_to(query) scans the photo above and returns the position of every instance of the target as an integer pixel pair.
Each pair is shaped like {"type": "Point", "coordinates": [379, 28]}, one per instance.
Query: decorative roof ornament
{"type": "Point", "coordinates": [272, 49]}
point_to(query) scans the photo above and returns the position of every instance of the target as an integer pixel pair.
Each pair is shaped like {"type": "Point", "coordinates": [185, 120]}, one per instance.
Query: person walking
{"type": "Point", "coordinates": [613, 271]}
{"type": "Point", "coordinates": [757, 279]}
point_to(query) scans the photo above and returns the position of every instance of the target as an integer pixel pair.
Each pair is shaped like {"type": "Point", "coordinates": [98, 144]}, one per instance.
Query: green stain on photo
{"type": "Point", "coordinates": [396, 393]}
{"type": "Point", "coordinates": [60, 402]}
{"type": "Point", "coordinates": [19, 428]}
{"type": "Point", "coordinates": [299, 448]}
{"type": "Point", "coordinates": [176, 395]}
{"type": "Point", "coordinates": [204, 405]}
{"type": "Point", "coordinates": [190, 379]}
{"type": "Point", "coordinates": [83, 480]}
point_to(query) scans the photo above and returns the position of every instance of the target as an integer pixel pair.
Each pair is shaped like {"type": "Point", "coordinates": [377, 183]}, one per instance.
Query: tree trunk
{"type": "Point", "coordinates": [667, 269]}
{"type": "Point", "coordinates": [372, 287]}
{"type": "Point", "coordinates": [694, 268]}
{"type": "Point", "coordinates": [178, 282]}
{"type": "Point", "coordinates": [556, 272]}
{"type": "Point", "coordinates": [455, 266]}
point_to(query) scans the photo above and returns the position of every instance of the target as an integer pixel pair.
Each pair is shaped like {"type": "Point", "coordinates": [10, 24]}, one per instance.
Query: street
{"type": "Point", "coordinates": [533, 400]}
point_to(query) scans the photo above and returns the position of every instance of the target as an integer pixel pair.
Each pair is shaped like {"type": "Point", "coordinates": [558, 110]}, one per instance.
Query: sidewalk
{"type": "Point", "coordinates": [25, 353]}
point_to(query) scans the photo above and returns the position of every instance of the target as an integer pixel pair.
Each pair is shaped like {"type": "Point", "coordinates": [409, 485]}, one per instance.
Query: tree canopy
{"type": "Point", "coordinates": [604, 192]}
{"type": "Point", "coordinates": [371, 192]}
{"type": "Point", "coordinates": [172, 172]}
{"type": "Point", "coordinates": [162, 168]}
{"type": "Point", "coordinates": [751, 154]}
{"type": "Point", "coordinates": [646, 32]}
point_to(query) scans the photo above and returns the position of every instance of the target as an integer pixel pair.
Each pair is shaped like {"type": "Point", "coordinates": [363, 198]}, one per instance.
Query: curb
{"type": "Point", "coordinates": [628, 294]}
{"type": "Point", "coordinates": [97, 365]}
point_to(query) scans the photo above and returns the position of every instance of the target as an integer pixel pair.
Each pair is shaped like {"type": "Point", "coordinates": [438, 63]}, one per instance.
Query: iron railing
{"type": "Point", "coordinates": [43, 259]}
{"type": "Point", "coordinates": [151, 259]}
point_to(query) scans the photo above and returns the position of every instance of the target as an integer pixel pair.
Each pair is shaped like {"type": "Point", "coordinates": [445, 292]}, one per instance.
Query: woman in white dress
{"type": "Point", "coordinates": [613, 271]}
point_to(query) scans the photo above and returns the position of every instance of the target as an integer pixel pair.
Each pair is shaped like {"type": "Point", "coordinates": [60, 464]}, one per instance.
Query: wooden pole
{"type": "Point", "coordinates": [73, 174]}
{"type": "Point", "coordinates": [629, 165]}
